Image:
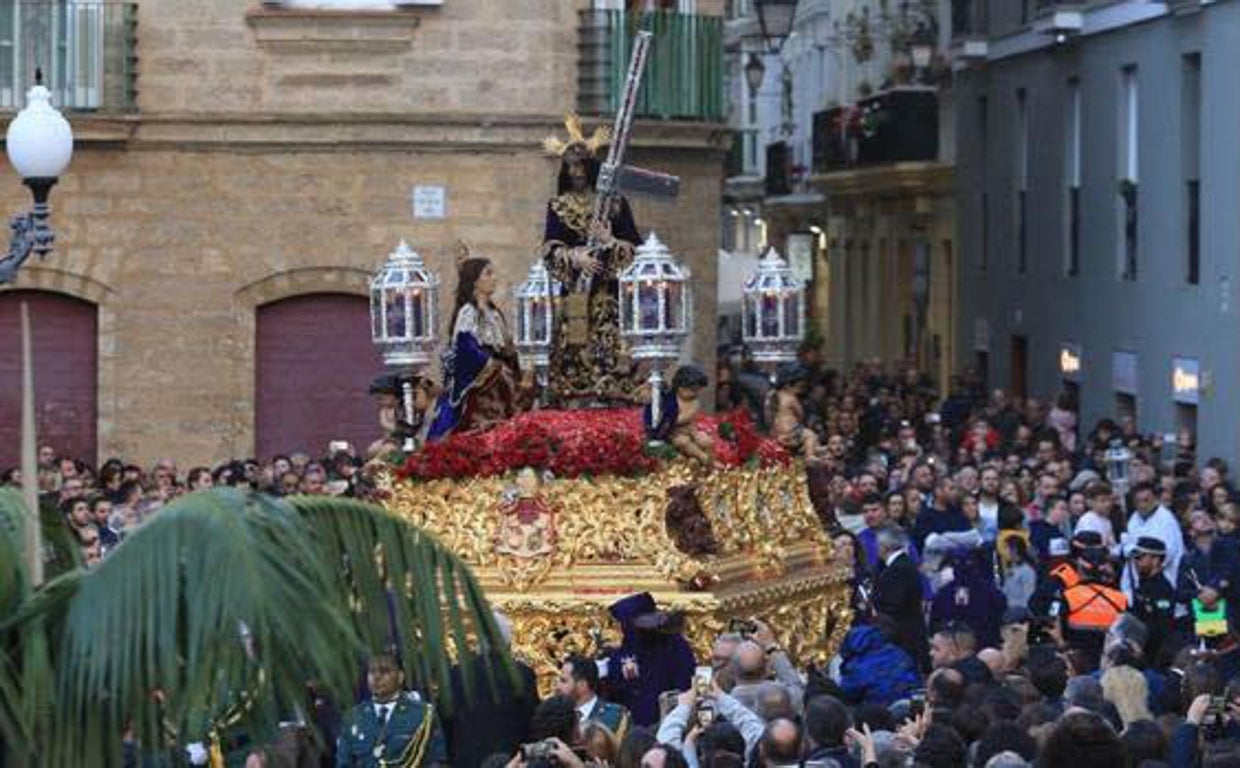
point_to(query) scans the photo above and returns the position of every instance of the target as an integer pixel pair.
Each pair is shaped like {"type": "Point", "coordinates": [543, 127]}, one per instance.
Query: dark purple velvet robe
{"type": "Point", "coordinates": [598, 369]}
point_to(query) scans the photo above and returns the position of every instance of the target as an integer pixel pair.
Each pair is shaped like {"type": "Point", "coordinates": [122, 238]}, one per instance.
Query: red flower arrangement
{"type": "Point", "coordinates": [577, 443]}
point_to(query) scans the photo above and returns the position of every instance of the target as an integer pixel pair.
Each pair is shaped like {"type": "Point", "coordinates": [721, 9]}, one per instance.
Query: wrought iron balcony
{"type": "Point", "coordinates": [85, 48]}
{"type": "Point", "coordinates": [684, 74]}
{"type": "Point", "coordinates": [896, 126]}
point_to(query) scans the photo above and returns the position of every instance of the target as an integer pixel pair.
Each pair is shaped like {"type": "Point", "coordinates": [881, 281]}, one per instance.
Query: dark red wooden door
{"type": "Point", "coordinates": [65, 345]}
{"type": "Point", "coordinates": [314, 365]}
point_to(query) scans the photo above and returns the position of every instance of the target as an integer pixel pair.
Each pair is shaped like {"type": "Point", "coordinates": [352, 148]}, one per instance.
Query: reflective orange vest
{"type": "Point", "coordinates": [1067, 575]}
{"type": "Point", "coordinates": [1094, 607]}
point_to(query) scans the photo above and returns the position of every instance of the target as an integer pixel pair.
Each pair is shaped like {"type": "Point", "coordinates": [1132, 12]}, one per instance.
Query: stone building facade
{"type": "Point", "coordinates": [272, 153]}
{"type": "Point", "coordinates": [847, 169]}
{"type": "Point", "coordinates": [1098, 229]}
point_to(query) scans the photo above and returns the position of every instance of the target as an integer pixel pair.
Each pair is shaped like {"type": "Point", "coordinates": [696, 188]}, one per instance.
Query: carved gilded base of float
{"type": "Point", "coordinates": [554, 554]}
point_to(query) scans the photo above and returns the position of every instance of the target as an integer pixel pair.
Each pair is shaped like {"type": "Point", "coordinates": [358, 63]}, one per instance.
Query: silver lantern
{"type": "Point", "coordinates": [404, 318]}
{"type": "Point", "coordinates": [536, 319]}
{"type": "Point", "coordinates": [774, 311]}
{"type": "Point", "coordinates": [404, 309]}
{"type": "Point", "coordinates": [656, 310]}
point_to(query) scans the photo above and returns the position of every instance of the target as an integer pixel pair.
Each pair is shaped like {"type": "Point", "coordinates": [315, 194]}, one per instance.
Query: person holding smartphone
{"type": "Point", "coordinates": [682, 727]}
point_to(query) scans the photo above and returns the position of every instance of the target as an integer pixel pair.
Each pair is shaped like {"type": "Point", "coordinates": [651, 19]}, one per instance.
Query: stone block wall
{"type": "Point", "coordinates": [274, 153]}
{"type": "Point", "coordinates": [178, 242]}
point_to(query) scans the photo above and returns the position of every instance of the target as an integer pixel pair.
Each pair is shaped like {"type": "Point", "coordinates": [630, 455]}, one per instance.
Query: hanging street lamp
{"type": "Point", "coordinates": [39, 142]}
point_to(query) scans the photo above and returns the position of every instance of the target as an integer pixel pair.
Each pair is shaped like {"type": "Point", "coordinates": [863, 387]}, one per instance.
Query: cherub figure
{"type": "Point", "coordinates": [527, 523]}
{"type": "Point", "coordinates": [788, 419]}
{"type": "Point", "coordinates": [679, 409]}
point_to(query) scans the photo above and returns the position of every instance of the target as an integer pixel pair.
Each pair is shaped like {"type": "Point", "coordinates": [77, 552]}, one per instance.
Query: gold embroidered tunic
{"type": "Point", "coordinates": [590, 364]}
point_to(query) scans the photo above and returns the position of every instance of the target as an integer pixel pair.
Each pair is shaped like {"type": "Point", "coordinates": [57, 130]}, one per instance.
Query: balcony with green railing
{"type": "Point", "coordinates": [684, 72]}
{"type": "Point", "coordinates": [86, 51]}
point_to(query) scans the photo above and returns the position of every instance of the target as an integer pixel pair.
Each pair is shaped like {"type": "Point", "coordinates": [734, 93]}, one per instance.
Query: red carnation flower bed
{"type": "Point", "coordinates": [576, 443]}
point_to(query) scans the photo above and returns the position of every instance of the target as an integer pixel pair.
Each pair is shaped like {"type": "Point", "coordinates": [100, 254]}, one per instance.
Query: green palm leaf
{"type": "Point", "coordinates": [27, 704]}
{"type": "Point", "coordinates": [223, 607]}
{"type": "Point", "coordinates": [402, 581]}
{"type": "Point", "coordinates": [14, 589]}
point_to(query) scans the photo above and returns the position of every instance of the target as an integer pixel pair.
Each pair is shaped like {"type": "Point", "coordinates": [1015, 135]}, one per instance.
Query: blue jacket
{"type": "Point", "coordinates": [873, 670]}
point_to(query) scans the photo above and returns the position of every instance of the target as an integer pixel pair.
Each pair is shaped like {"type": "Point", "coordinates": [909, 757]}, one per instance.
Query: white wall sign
{"type": "Point", "coordinates": [1070, 356]}
{"type": "Point", "coordinates": [429, 202]}
{"type": "Point", "coordinates": [1124, 373]}
{"type": "Point", "coordinates": [1185, 380]}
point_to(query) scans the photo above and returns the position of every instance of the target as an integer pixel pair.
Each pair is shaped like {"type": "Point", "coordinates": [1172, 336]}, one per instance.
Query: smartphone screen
{"type": "Point", "coordinates": [702, 677]}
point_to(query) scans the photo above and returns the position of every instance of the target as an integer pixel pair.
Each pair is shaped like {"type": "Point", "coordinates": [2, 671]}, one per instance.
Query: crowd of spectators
{"type": "Point", "coordinates": [99, 507]}
{"type": "Point", "coordinates": [1026, 591]}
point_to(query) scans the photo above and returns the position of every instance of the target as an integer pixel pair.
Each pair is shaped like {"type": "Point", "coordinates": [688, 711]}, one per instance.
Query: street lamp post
{"type": "Point", "coordinates": [921, 48]}
{"type": "Point", "coordinates": [755, 73]}
{"type": "Point", "coordinates": [775, 19]}
{"type": "Point", "coordinates": [40, 144]}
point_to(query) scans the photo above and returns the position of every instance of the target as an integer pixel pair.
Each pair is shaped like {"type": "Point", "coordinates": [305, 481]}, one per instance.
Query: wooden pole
{"type": "Point", "coordinates": [30, 467]}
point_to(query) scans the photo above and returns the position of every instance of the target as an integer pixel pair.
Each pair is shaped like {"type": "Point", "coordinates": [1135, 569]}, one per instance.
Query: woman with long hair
{"type": "Point", "coordinates": [480, 368]}
{"type": "Point", "coordinates": [601, 745]}
{"type": "Point", "coordinates": [1127, 689]}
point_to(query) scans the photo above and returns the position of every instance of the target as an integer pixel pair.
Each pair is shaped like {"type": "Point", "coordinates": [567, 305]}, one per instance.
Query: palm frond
{"type": "Point", "coordinates": [215, 606]}
{"type": "Point", "coordinates": [14, 583]}
{"type": "Point", "coordinates": [226, 604]}
{"type": "Point", "coordinates": [14, 588]}
{"type": "Point", "coordinates": [406, 589]}
{"type": "Point", "coordinates": [27, 696]}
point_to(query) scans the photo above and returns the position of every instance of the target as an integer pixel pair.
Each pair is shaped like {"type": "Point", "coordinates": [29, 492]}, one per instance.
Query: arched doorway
{"type": "Point", "coordinates": [314, 362]}
{"type": "Point", "coordinates": [65, 346]}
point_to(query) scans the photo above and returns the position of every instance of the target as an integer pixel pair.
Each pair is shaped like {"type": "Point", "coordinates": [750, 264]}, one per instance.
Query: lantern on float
{"type": "Point", "coordinates": [773, 324]}
{"type": "Point", "coordinates": [536, 320]}
{"type": "Point", "coordinates": [404, 317]}
{"type": "Point", "coordinates": [656, 310]}
{"type": "Point", "coordinates": [1118, 458]}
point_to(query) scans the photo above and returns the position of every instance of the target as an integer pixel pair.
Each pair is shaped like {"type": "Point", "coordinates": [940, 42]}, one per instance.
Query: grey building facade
{"type": "Point", "coordinates": [1098, 199]}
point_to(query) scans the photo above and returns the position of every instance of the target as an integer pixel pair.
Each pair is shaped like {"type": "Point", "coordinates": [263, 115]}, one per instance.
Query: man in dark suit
{"type": "Point", "coordinates": [485, 720]}
{"type": "Point", "coordinates": [579, 681]}
{"type": "Point", "coordinates": [897, 594]}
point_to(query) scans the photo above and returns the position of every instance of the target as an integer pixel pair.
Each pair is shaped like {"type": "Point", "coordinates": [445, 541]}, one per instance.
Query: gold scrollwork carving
{"type": "Point", "coordinates": [773, 559]}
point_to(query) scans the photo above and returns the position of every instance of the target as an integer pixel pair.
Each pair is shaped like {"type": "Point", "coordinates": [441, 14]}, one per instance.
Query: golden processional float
{"type": "Point", "coordinates": [562, 513]}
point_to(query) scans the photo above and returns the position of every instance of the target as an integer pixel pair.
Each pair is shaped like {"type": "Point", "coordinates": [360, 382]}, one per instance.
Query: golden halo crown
{"type": "Point", "coordinates": [554, 146]}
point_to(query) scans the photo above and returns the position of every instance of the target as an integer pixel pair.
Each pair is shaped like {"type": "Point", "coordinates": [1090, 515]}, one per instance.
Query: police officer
{"type": "Point", "coordinates": [1159, 604]}
{"type": "Point", "coordinates": [393, 727]}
